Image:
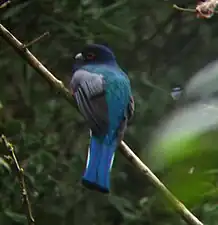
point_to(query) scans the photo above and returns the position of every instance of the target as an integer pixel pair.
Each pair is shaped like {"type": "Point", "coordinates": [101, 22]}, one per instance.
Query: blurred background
{"type": "Point", "coordinates": [158, 46]}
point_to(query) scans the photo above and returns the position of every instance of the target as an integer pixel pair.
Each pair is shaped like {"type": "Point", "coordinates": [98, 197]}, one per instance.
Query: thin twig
{"type": "Point", "coordinates": [20, 174]}
{"type": "Point", "coordinates": [184, 9]}
{"type": "Point", "coordinates": [36, 40]}
{"type": "Point", "coordinates": [125, 150]}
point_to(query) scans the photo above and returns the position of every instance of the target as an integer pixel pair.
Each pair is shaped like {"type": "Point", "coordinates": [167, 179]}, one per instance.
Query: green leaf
{"type": "Point", "coordinates": [4, 164]}
{"type": "Point", "coordinates": [19, 218]}
{"type": "Point", "coordinates": [15, 10]}
{"type": "Point", "coordinates": [123, 205]}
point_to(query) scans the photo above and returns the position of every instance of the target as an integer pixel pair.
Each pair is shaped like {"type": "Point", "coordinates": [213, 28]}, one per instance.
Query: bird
{"type": "Point", "coordinates": [103, 95]}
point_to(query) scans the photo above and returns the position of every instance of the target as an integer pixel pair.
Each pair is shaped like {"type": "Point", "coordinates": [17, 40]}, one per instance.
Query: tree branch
{"type": "Point", "coordinates": [20, 174]}
{"type": "Point", "coordinates": [125, 150]}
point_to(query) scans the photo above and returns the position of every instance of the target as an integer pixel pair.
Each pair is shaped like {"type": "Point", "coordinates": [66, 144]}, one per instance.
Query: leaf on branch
{"type": "Point", "coordinates": [14, 10]}
{"type": "Point", "coordinates": [124, 206]}
{"type": "Point", "coordinates": [4, 164]}
{"type": "Point", "coordinates": [17, 217]}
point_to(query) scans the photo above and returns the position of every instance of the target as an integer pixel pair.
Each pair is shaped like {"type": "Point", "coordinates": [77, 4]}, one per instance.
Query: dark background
{"type": "Point", "coordinates": [158, 46]}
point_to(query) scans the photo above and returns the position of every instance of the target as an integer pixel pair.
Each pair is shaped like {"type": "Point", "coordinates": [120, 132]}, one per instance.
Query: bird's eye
{"type": "Point", "coordinates": [90, 56]}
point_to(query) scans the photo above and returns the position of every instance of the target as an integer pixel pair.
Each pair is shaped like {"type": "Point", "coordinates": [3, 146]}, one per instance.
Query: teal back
{"type": "Point", "coordinates": [118, 91]}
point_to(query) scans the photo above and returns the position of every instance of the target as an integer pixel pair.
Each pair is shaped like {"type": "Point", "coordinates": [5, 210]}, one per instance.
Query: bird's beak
{"type": "Point", "coordinates": [176, 93]}
{"type": "Point", "coordinates": [79, 56]}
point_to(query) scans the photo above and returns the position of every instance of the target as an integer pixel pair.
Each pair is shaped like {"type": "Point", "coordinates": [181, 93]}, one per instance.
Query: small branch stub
{"type": "Point", "coordinates": [184, 9]}
{"type": "Point", "coordinates": [36, 40]}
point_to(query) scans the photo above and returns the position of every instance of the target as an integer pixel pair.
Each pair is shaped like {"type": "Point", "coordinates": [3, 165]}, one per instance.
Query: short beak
{"type": "Point", "coordinates": [176, 93]}
{"type": "Point", "coordinates": [79, 56]}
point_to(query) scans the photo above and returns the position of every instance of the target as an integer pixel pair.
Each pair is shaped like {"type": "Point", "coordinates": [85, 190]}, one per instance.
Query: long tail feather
{"type": "Point", "coordinates": [98, 167]}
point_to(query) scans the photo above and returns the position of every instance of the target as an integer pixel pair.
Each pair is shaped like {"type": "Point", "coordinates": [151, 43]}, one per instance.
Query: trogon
{"type": "Point", "coordinates": [103, 95]}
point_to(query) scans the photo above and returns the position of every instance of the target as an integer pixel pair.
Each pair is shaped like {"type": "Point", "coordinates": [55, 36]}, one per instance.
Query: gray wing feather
{"type": "Point", "coordinates": [92, 83]}
{"type": "Point", "coordinates": [89, 93]}
{"type": "Point", "coordinates": [131, 109]}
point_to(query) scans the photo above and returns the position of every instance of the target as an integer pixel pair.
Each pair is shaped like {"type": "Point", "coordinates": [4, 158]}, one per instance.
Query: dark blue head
{"type": "Point", "coordinates": [94, 54]}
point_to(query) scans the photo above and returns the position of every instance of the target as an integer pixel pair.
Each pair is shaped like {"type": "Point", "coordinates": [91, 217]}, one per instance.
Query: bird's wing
{"type": "Point", "coordinates": [130, 109]}
{"type": "Point", "coordinates": [127, 119]}
{"type": "Point", "coordinates": [88, 90]}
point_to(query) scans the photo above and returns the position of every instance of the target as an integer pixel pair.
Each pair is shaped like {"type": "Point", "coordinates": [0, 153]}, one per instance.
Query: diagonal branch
{"type": "Point", "coordinates": [125, 150]}
{"type": "Point", "coordinates": [20, 174]}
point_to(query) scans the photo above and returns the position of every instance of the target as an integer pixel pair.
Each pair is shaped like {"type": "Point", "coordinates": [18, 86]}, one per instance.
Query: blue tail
{"type": "Point", "coordinates": [99, 163]}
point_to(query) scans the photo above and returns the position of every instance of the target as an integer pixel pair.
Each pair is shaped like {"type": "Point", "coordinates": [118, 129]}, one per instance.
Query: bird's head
{"type": "Point", "coordinates": [95, 54]}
